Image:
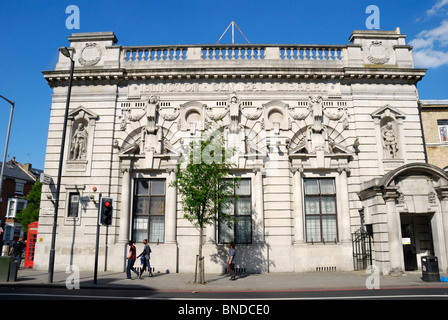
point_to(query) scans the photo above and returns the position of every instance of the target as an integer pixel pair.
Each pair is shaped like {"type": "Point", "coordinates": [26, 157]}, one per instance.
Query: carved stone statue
{"type": "Point", "coordinates": [151, 110]}
{"type": "Point", "coordinates": [315, 105]}
{"type": "Point", "coordinates": [234, 109]}
{"type": "Point", "coordinates": [390, 143]}
{"type": "Point", "coordinates": [79, 143]}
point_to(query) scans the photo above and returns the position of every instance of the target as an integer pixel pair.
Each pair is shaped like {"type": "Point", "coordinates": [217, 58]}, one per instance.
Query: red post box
{"type": "Point", "coordinates": [31, 244]}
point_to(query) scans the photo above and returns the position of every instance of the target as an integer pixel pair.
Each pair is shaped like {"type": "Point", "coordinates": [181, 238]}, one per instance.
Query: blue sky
{"type": "Point", "coordinates": [31, 31]}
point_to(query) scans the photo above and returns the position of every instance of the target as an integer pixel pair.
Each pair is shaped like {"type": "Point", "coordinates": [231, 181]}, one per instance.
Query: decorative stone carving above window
{"type": "Point", "coordinates": [192, 117]}
{"type": "Point", "coordinates": [275, 116]}
{"type": "Point", "coordinates": [234, 111]}
{"type": "Point", "coordinates": [152, 107]}
{"type": "Point", "coordinates": [318, 137]}
{"type": "Point", "coordinates": [90, 54]}
{"type": "Point", "coordinates": [378, 53]}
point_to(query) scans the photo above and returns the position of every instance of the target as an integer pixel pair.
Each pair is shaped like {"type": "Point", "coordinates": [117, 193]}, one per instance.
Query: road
{"type": "Point", "coordinates": [45, 300]}
{"type": "Point", "coordinates": [59, 293]}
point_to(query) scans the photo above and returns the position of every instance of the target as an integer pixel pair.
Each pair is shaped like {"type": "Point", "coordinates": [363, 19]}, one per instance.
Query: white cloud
{"type": "Point", "coordinates": [431, 46]}
{"type": "Point", "coordinates": [438, 34]}
{"type": "Point", "coordinates": [436, 7]}
{"type": "Point", "coordinates": [429, 58]}
{"type": "Point", "coordinates": [420, 43]}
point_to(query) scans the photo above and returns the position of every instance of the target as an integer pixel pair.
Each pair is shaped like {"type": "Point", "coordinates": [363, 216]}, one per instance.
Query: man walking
{"type": "Point", "coordinates": [17, 251]}
{"type": "Point", "coordinates": [145, 258]}
{"type": "Point", "coordinates": [231, 261]}
{"type": "Point", "coordinates": [131, 261]}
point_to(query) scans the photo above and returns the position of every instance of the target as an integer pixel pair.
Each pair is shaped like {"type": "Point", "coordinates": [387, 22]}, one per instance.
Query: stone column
{"type": "Point", "coordinates": [394, 231]}
{"type": "Point", "coordinates": [443, 197]}
{"type": "Point", "coordinates": [125, 207]}
{"type": "Point", "coordinates": [259, 206]}
{"type": "Point", "coordinates": [171, 205]}
{"type": "Point", "coordinates": [298, 205]}
{"type": "Point", "coordinates": [344, 216]}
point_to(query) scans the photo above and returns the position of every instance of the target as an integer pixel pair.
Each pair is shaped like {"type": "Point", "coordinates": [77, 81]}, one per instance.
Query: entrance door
{"type": "Point", "coordinates": [416, 239]}
{"type": "Point", "coordinates": [409, 249]}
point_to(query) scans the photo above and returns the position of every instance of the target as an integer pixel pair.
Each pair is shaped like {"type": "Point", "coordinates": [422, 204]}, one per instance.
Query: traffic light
{"type": "Point", "coordinates": [106, 209]}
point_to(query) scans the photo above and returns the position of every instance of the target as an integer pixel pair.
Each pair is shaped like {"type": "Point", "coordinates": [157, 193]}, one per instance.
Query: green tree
{"type": "Point", "coordinates": [205, 184]}
{"type": "Point", "coordinates": [31, 212]}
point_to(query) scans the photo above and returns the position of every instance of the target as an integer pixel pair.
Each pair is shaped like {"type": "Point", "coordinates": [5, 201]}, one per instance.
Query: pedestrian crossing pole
{"type": "Point", "coordinates": [95, 271]}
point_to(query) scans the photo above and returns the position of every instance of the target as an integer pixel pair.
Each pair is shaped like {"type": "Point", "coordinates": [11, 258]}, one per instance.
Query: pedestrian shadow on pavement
{"type": "Point", "coordinates": [225, 276]}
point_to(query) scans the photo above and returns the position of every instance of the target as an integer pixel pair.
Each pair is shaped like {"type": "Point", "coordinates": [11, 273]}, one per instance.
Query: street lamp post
{"type": "Point", "coordinates": [66, 53]}
{"type": "Point", "coordinates": [6, 144]}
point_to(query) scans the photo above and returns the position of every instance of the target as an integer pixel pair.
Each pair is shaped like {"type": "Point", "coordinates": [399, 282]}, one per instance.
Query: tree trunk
{"type": "Point", "coordinates": [200, 258]}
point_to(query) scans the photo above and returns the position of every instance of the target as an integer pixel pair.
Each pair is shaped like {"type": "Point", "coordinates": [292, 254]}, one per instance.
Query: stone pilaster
{"type": "Point", "coordinates": [394, 231]}
{"type": "Point", "coordinates": [125, 208]}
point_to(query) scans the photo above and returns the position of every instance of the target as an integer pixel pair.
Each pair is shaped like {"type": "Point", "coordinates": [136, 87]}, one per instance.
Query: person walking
{"type": "Point", "coordinates": [131, 260]}
{"type": "Point", "coordinates": [17, 251]}
{"type": "Point", "coordinates": [145, 256]}
{"type": "Point", "coordinates": [231, 261]}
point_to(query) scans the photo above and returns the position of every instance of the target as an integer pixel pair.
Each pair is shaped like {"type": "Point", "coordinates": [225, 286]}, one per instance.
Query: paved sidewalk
{"type": "Point", "coordinates": [218, 282]}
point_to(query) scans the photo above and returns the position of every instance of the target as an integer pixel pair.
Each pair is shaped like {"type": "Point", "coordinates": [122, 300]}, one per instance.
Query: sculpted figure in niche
{"type": "Point", "coordinates": [315, 105]}
{"type": "Point", "coordinates": [390, 143]}
{"type": "Point", "coordinates": [151, 110]}
{"type": "Point", "coordinates": [79, 143]}
{"type": "Point", "coordinates": [234, 105]}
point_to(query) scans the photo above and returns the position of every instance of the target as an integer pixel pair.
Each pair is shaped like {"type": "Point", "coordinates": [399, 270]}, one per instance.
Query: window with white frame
{"type": "Point", "coordinates": [15, 205]}
{"type": "Point", "coordinates": [443, 130]}
{"type": "Point", "coordinates": [320, 210]}
{"type": "Point", "coordinates": [240, 208]}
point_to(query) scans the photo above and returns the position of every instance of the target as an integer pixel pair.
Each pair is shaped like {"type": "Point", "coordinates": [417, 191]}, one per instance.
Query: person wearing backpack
{"type": "Point", "coordinates": [17, 251]}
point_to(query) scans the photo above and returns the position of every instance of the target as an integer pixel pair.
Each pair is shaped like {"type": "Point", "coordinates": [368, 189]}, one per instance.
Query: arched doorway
{"type": "Point", "coordinates": [407, 210]}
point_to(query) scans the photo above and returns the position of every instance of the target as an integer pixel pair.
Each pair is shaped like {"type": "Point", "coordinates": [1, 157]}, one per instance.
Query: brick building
{"type": "Point", "coordinates": [17, 183]}
{"type": "Point", "coordinates": [434, 115]}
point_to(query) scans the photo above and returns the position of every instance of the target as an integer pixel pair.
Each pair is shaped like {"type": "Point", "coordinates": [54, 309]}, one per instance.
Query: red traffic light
{"type": "Point", "coordinates": [105, 211]}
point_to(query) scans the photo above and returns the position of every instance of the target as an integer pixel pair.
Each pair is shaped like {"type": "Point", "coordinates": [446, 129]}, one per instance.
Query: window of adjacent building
{"type": "Point", "coordinates": [15, 205]}
{"type": "Point", "coordinates": [240, 208]}
{"type": "Point", "coordinates": [149, 210]}
{"type": "Point", "coordinates": [20, 186]}
{"type": "Point", "coordinates": [320, 210]}
{"type": "Point", "coordinates": [73, 205]}
{"type": "Point", "coordinates": [443, 130]}
{"type": "Point", "coordinates": [9, 233]}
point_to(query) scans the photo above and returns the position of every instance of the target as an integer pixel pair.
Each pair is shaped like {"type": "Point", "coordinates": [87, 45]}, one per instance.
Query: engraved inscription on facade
{"type": "Point", "coordinates": [332, 89]}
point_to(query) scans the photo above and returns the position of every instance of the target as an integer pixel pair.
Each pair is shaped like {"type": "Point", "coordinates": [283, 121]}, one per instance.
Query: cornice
{"type": "Point", "coordinates": [61, 77]}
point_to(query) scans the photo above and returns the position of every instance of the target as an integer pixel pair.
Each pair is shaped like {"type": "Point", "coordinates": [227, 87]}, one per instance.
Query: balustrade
{"type": "Point", "coordinates": [322, 53]}
{"type": "Point", "coordinates": [232, 53]}
{"type": "Point", "coordinates": [154, 54]}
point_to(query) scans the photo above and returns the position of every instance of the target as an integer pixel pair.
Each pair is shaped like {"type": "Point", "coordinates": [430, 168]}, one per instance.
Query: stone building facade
{"type": "Point", "coordinates": [329, 151]}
